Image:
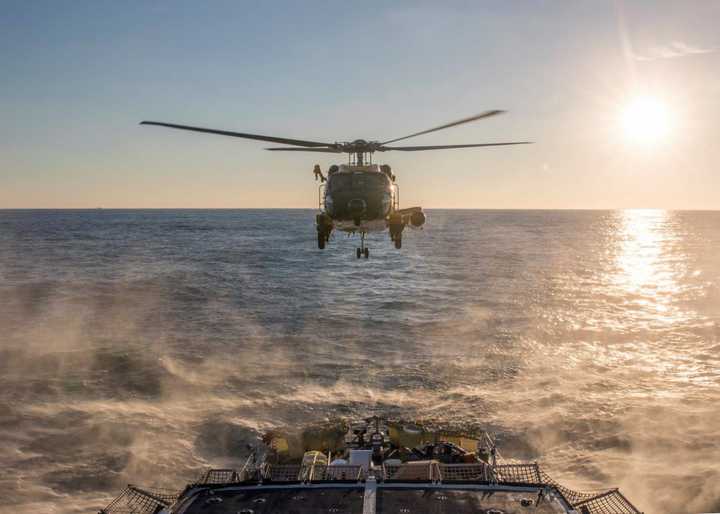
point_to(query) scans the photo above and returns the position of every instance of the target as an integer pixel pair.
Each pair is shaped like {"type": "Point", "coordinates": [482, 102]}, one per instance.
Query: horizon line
{"type": "Point", "coordinates": [588, 209]}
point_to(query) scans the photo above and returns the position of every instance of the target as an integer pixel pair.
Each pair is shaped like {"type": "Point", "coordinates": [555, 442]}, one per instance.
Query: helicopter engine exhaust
{"type": "Point", "coordinates": [417, 219]}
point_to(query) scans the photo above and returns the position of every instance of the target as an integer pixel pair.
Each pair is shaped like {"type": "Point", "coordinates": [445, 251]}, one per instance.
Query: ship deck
{"type": "Point", "coordinates": [373, 498]}
{"type": "Point", "coordinates": [435, 475]}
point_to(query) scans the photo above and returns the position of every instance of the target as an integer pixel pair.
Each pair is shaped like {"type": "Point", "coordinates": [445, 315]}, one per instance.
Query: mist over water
{"type": "Point", "coordinates": [141, 346]}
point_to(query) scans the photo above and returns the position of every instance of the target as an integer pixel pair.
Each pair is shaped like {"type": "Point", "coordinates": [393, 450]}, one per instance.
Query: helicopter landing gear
{"type": "Point", "coordinates": [363, 251]}
{"type": "Point", "coordinates": [396, 226]}
{"type": "Point", "coordinates": [396, 230]}
{"type": "Point", "coordinates": [323, 236]}
{"type": "Point", "coordinates": [324, 228]}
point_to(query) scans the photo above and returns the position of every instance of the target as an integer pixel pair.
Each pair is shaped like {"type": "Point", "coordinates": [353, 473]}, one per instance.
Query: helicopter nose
{"type": "Point", "coordinates": [357, 206]}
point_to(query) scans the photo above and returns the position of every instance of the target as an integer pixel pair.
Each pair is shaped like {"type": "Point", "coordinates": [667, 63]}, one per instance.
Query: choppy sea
{"type": "Point", "coordinates": [141, 346]}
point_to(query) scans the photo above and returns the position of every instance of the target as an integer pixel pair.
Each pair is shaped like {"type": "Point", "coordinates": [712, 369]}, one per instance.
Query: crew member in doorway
{"type": "Point", "coordinates": [318, 173]}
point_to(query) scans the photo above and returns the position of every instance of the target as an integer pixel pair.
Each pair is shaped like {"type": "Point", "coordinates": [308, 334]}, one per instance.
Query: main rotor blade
{"type": "Point", "coordinates": [325, 150]}
{"type": "Point", "coordinates": [281, 140]}
{"type": "Point", "coordinates": [480, 116]}
{"type": "Point", "coordinates": [446, 147]}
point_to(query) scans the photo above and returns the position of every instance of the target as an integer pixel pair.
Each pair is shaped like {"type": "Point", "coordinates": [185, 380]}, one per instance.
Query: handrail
{"type": "Point", "coordinates": [609, 501]}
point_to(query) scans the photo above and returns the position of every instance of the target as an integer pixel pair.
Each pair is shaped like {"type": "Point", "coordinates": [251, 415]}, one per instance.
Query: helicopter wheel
{"type": "Point", "coordinates": [363, 250]}
{"type": "Point", "coordinates": [321, 240]}
{"type": "Point", "coordinates": [398, 241]}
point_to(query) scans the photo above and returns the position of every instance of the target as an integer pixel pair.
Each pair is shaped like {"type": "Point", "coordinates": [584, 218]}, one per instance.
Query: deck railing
{"type": "Point", "coordinates": [135, 500]}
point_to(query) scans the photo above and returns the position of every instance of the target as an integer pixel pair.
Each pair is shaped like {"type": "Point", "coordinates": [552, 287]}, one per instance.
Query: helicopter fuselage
{"type": "Point", "coordinates": [359, 198]}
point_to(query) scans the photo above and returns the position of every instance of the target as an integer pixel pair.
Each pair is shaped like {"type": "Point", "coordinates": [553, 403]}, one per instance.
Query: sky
{"type": "Point", "coordinates": [76, 78]}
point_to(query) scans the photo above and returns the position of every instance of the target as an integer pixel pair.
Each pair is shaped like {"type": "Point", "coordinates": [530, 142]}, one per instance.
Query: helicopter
{"type": "Point", "coordinates": [359, 196]}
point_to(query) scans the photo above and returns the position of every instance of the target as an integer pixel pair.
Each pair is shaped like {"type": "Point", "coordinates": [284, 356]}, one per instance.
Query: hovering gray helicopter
{"type": "Point", "coordinates": [358, 197]}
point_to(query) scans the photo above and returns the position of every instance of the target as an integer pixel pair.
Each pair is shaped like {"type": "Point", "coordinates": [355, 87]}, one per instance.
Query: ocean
{"type": "Point", "coordinates": [139, 346]}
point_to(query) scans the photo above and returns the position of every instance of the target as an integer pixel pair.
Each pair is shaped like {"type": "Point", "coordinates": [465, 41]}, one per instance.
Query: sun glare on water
{"type": "Point", "coordinates": [646, 120]}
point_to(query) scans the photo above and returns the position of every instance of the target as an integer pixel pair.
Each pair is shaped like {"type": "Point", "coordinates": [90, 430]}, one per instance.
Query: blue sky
{"type": "Point", "coordinates": [78, 76]}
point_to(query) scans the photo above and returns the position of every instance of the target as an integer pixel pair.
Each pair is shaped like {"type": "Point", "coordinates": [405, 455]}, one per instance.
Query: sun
{"type": "Point", "coordinates": [646, 119]}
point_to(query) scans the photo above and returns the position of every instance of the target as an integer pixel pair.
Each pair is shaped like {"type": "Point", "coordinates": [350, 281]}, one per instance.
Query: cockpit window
{"type": "Point", "coordinates": [340, 182]}
{"type": "Point", "coordinates": [357, 182]}
{"type": "Point", "coordinates": [369, 181]}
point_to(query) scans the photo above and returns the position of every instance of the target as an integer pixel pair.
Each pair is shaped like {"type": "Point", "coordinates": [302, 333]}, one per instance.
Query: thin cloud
{"type": "Point", "coordinates": [672, 51]}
